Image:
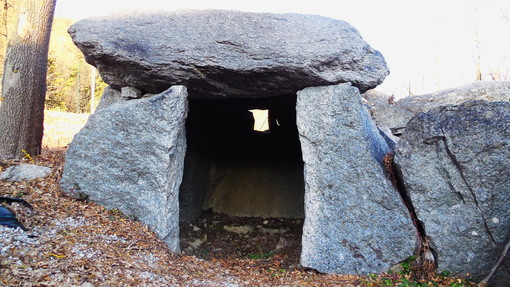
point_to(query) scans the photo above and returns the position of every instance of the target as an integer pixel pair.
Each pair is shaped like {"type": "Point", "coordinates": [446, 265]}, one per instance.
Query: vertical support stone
{"type": "Point", "coordinates": [130, 156]}
{"type": "Point", "coordinates": [194, 185]}
{"type": "Point", "coordinates": [355, 221]}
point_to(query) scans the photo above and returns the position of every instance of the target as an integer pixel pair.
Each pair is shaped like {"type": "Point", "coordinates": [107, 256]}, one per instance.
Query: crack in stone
{"type": "Point", "coordinates": [314, 143]}
{"type": "Point", "coordinates": [398, 182]}
{"type": "Point", "coordinates": [457, 193]}
{"type": "Point", "coordinates": [456, 163]}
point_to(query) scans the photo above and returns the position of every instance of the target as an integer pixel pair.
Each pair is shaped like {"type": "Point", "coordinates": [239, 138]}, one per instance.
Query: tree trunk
{"type": "Point", "coordinates": [24, 80]}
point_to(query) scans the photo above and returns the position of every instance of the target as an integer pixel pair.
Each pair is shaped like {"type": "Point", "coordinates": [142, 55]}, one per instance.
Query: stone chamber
{"type": "Point", "coordinates": [217, 73]}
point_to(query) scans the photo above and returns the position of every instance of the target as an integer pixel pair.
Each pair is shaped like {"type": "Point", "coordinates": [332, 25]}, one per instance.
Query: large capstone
{"type": "Point", "coordinates": [219, 54]}
{"type": "Point", "coordinates": [355, 220]}
{"type": "Point", "coordinates": [130, 156]}
{"type": "Point", "coordinates": [455, 163]}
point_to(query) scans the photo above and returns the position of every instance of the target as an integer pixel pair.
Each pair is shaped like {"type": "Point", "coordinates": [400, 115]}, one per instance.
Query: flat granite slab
{"type": "Point", "coordinates": [220, 54]}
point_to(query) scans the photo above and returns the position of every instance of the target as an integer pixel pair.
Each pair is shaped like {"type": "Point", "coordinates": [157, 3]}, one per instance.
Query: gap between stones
{"type": "Point", "coordinates": [427, 255]}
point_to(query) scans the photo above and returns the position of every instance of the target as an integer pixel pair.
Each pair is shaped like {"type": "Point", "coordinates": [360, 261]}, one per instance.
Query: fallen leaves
{"type": "Point", "coordinates": [79, 243]}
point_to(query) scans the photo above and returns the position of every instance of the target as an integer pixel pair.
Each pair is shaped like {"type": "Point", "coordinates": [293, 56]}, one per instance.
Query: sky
{"type": "Point", "coordinates": [428, 45]}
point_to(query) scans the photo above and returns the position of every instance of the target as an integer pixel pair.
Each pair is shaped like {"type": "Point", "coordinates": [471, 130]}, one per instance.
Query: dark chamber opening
{"type": "Point", "coordinates": [242, 194]}
{"type": "Point", "coordinates": [233, 169]}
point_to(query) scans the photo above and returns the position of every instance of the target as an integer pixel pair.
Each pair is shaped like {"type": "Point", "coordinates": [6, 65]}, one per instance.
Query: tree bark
{"type": "Point", "coordinates": [24, 80]}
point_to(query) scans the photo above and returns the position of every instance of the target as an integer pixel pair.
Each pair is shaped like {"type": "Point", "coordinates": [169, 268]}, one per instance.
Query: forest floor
{"type": "Point", "coordinates": [80, 243]}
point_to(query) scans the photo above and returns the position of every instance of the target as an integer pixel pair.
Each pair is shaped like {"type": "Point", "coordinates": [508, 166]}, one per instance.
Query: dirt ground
{"type": "Point", "coordinates": [225, 237]}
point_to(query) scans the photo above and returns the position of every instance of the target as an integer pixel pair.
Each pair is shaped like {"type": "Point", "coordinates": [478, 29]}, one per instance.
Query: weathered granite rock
{"type": "Point", "coordinates": [130, 156]}
{"type": "Point", "coordinates": [396, 116]}
{"type": "Point", "coordinates": [129, 93]}
{"type": "Point", "coordinates": [455, 163]}
{"type": "Point", "coordinates": [109, 96]}
{"type": "Point", "coordinates": [498, 91]}
{"type": "Point", "coordinates": [386, 113]}
{"type": "Point", "coordinates": [22, 172]}
{"type": "Point", "coordinates": [355, 220]}
{"type": "Point", "coordinates": [194, 185]}
{"type": "Point", "coordinates": [227, 53]}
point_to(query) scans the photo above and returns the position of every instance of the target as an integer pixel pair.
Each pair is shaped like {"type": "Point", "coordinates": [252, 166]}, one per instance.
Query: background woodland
{"type": "Point", "coordinates": [70, 79]}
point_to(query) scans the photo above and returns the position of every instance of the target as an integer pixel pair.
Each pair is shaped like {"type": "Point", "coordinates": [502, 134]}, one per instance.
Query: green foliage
{"type": "Point", "coordinates": [401, 280]}
{"type": "Point", "coordinates": [406, 265]}
{"type": "Point", "coordinates": [407, 276]}
{"type": "Point", "coordinates": [387, 282]}
{"type": "Point", "coordinates": [259, 255]}
{"type": "Point", "coordinates": [203, 253]}
{"type": "Point", "coordinates": [280, 272]}
{"type": "Point", "coordinates": [461, 283]}
{"type": "Point", "coordinates": [412, 283]}
{"type": "Point", "coordinates": [117, 215]}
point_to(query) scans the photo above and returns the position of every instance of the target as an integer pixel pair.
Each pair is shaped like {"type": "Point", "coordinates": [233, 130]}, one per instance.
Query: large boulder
{"type": "Point", "coordinates": [396, 114]}
{"type": "Point", "coordinates": [494, 91]}
{"type": "Point", "coordinates": [355, 220]}
{"type": "Point", "coordinates": [228, 53]}
{"type": "Point", "coordinates": [130, 156]}
{"type": "Point", "coordinates": [455, 164]}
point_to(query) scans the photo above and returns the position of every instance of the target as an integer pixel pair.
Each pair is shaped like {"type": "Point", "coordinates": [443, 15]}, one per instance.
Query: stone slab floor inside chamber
{"type": "Point", "coordinates": [241, 184]}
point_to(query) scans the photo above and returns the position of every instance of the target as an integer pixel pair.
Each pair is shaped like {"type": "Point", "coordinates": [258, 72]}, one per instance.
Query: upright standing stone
{"type": "Point", "coordinates": [130, 156]}
{"type": "Point", "coordinates": [355, 220]}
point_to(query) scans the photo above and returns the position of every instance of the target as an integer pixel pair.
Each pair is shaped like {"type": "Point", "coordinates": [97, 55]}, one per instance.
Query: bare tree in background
{"type": "Point", "coordinates": [7, 5]}
{"type": "Point", "coordinates": [24, 80]}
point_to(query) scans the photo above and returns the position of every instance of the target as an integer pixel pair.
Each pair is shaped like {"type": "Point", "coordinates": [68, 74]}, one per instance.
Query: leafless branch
{"type": "Point", "coordinates": [485, 280]}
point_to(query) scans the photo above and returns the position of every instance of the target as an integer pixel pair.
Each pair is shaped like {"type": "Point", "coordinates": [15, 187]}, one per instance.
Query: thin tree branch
{"type": "Point", "coordinates": [485, 280]}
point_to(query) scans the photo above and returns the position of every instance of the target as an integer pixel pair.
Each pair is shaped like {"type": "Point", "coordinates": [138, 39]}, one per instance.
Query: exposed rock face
{"type": "Point", "coordinates": [109, 96]}
{"type": "Point", "coordinates": [130, 156]}
{"type": "Point", "coordinates": [355, 220]}
{"type": "Point", "coordinates": [24, 172]}
{"type": "Point", "coordinates": [194, 184]}
{"type": "Point", "coordinates": [488, 91]}
{"type": "Point", "coordinates": [396, 116]}
{"type": "Point", "coordinates": [387, 114]}
{"type": "Point", "coordinates": [228, 53]}
{"type": "Point", "coordinates": [455, 162]}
